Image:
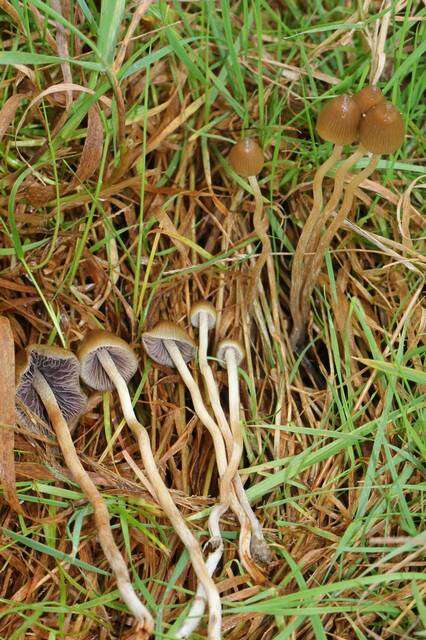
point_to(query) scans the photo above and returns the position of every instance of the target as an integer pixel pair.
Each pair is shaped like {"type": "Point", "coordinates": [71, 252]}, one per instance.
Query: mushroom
{"type": "Point", "coordinates": [338, 122]}
{"type": "Point", "coordinates": [203, 316]}
{"type": "Point", "coordinates": [381, 132]}
{"type": "Point", "coordinates": [108, 362]}
{"type": "Point", "coordinates": [169, 345]}
{"type": "Point", "coordinates": [48, 386]}
{"type": "Point", "coordinates": [246, 158]}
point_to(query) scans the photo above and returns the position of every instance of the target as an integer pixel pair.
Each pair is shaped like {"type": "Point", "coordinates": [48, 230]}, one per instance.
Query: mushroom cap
{"type": "Point", "coordinates": [338, 120]}
{"type": "Point", "coordinates": [382, 129]}
{"type": "Point", "coordinates": [92, 371]}
{"type": "Point", "coordinates": [153, 341]}
{"type": "Point", "coordinates": [61, 369]}
{"type": "Point", "coordinates": [246, 158]}
{"type": "Point", "coordinates": [235, 345]}
{"type": "Point", "coordinates": [203, 307]}
{"type": "Point", "coordinates": [368, 97]}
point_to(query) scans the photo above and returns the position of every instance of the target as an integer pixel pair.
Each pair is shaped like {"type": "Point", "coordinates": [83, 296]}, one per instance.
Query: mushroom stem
{"type": "Point", "coordinates": [258, 542]}
{"type": "Point", "coordinates": [310, 232]}
{"type": "Point", "coordinates": [260, 224]}
{"type": "Point", "coordinates": [100, 511]}
{"type": "Point", "coordinates": [164, 497]}
{"type": "Point", "coordinates": [221, 460]}
{"type": "Point", "coordinates": [324, 243]}
{"type": "Point", "coordinates": [299, 317]}
{"type": "Point", "coordinates": [198, 605]}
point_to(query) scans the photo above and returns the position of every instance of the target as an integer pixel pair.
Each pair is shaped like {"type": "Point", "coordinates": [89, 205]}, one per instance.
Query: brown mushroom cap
{"type": "Point", "coordinates": [92, 371]}
{"type": "Point", "coordinates": [61, 369]}
{"type": "Point", "coordinates": [246, 158]}
{"type": "Point", "coordinates": [382, 129]}
{"type": "Point", "coordinates": [338, 120]}
{"type": "Point", "coordinates": [236, 347]}
{"type": "Point", "coordinates": [153, 342]}
{"type": "Point", "coordinates": [203, 307]}
{"type": "Point", "coordinates": [368, 97]}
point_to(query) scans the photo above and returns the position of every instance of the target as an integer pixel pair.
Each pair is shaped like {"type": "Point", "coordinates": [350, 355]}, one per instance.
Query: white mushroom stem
{"type": "Point", "coordinates": [164, 497]}
{"type": "Point", "coordinates": [260, 547]}
{"type": "Point", "coordinates": [100, 511]}
{"type": "Point", "coordinates": [196, 611]}
{"type": "Point", "coordinates": [227, 497]}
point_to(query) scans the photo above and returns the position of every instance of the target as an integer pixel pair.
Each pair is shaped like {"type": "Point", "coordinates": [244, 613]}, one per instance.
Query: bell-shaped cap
{"type": "Point", "coordinates": [154, 339]}
{"type": "Point", "coordinates": [246, 158]}
{"type": "Point", "coordinates": [368, 97]}
{"type": "Point", "coordinates": [235, 346]}
{"type": "Point", "coordinates": [203, 307]}
{"type": "Point", "coordinates": [338, 120]}
{"type": "Point", "coordinates": [382, 129]}
{"type": "Point", "coordinates": [61, 369]}
{"type": "Point", "coordinates": [92, 371]}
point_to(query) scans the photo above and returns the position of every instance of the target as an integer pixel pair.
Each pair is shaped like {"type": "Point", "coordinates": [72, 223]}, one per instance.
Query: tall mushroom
{"type": "Point", "coordinates": [246, 158]}
{"type": "Point", "coordinates": [381, 132]}
{"type": "Point", "coordinates": [338, 123]}
{"type": "Point", "coordinates": [48, 386]}
{"type": "Point", "coordinates": [169, 345]}
{"type": "Point", "coordinates": [108, 362]}
{"type": "Point", "coordinates": [203, 316]}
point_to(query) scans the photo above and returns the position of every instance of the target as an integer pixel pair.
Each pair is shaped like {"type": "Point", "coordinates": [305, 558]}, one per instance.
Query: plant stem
{"type": "Point", "coordinates": [100, 511]}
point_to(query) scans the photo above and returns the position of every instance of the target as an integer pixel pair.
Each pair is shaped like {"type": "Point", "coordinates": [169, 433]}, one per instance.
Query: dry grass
{"type": "Point", "coordinates": [118, 208]}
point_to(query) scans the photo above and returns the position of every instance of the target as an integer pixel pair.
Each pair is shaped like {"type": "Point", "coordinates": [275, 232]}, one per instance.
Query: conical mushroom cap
{"type": "Point", "coordinates": [338, 120]}
{"type": "Point", "coordinates": [382, 129]}
{"type": "Point", "coordinates": [235, 346]}
{"type": "Point", "coordinates": [203, 307]}
{"type": "Point", "coordinates": [153, 342]}
{"type": "Point", "coordinates": [368, 97]}
{"type": "Point", "coordinates": [61, 369]}
{"type": "Point", "coordinates": [246, 158]}
{"type": "Point", "coordinates": [92, 371]}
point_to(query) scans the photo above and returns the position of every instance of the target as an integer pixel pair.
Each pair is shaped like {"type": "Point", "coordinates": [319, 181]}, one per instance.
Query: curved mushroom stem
{"type": "Point", "coordinates": [299, 318]}
{"type": "Point", "coordinates": [259, 546]}
{"type": "Point", "coordinates": [216, 545]}
{"type": "Point", "coordinates": [260, 224]}
{"type": "Point", "coordinates": [221, 461]}
{"type": "Point", "coordinates": [324, 243]}
{"type": "Point", "coordinates": [164, 497]}
{"type": "Point", "coordinates": [100, 511]}
{"type": "Point", "coordinates": [308, 237]}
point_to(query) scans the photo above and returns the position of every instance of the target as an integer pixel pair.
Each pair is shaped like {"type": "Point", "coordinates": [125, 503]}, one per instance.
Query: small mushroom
{"type": "Point", "coordinates": [246, 158]}
{"type": "Point", "coordinates": [108, 362]}
{"type": "Point", "coordinates": [48, 386]}
{"type": "Point", "coordinates": [381, 131]}
{"type": "Point", "coordinates": [338, 122]}
{"type": "Point", "coordinates": [60, 369]}
{"type": "Point", "coordinates": [169, 345]}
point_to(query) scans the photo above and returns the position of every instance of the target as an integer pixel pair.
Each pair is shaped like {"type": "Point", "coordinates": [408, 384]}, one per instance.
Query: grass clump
{"type": "Point", "coordinates": [119, 208]}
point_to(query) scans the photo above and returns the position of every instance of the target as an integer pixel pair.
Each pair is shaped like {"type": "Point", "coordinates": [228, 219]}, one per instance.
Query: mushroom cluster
{"type": "Point", "coordinates": [378, 126]}
{"type": "Point", "coordinates": [49, 396]}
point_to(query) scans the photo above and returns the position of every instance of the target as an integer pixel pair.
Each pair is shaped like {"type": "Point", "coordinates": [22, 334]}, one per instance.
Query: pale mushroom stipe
{"type": "Point", "coordinates": [48, 385]}
{"type": "Point", "coordinates": [107, 362]}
